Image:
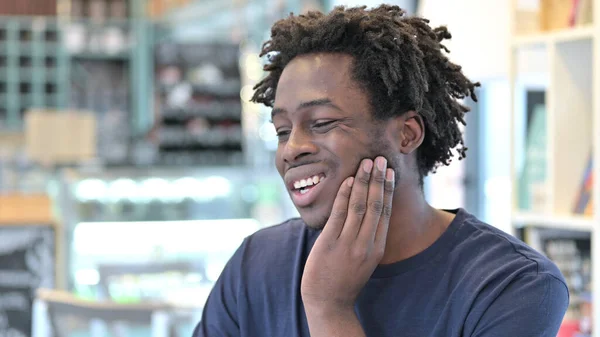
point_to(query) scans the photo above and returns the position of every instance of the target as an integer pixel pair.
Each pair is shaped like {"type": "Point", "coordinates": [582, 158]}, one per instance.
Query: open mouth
{"type": "Point", "coordinates": [303, 186]}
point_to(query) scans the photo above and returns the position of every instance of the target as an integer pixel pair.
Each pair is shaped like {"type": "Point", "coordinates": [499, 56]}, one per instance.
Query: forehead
{"type": "Point", "coordinates": [317, 76]}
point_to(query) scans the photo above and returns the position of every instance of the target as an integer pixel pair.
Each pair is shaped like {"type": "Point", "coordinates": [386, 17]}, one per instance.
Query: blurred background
{"type": "Point", "coordinates": [132, 163]}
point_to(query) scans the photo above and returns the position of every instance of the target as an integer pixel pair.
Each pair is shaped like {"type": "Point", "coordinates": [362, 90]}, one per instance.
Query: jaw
{"type": "Point", "coordinates": [313, 219]}
{"type": "Point", "coordinates": [316, 214]}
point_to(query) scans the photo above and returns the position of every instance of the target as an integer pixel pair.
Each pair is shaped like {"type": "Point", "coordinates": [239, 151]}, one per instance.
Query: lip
{"type": "Point", "coordinates": [303, 200]}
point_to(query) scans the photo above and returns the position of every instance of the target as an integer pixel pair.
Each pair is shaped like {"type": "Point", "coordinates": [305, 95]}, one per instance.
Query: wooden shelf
{"type": "Point", "coordinates": [565, 222]}
{"type": "Point", "coordinates": [17, 209]}
{"type": "Point", "coordinates": [545, 38]}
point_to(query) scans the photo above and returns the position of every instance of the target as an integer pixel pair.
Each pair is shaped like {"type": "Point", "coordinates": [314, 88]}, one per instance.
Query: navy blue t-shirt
{"type": "Point", "coordinates": [474, 281]}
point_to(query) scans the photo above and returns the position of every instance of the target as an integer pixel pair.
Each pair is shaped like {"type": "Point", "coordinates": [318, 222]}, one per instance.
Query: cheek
{"type": "Point", "coordinates": [351, 153]}
{"type": "Point", "coordinates": [279, 164]}
{"type": "Point", "coordinates": [367, 147]}
{"type": "Point", "coordinates": [352, 162]}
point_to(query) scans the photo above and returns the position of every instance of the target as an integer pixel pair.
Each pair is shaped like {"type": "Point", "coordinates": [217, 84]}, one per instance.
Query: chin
{"type": "Point", "coordinates": [315, 219]}
{"type": "Point", "coordinates": [316, 215]}
{"type": "Point", "coordinates": [318, 225]}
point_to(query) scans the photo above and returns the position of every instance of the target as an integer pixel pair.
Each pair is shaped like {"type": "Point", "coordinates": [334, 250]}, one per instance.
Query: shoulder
{"type": "Point", "coordinates": [507, 275]}
{"type": "Point", "coordinates": [278, 236]}
{"type": "Point", "coordinates": [278, 244]}
{"type": "Point", "coordinates": [497, 252]}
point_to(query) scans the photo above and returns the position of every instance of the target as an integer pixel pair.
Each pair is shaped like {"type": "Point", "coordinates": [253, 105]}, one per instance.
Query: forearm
{"type": "Point", "coordinates": [333, 322]}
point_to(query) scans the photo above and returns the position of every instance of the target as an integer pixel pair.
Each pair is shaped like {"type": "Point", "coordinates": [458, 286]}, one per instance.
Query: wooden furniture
{"type": "Point", "coordinates": [30, 249]}
{"type": "Point", "coordinates": [51, 306]}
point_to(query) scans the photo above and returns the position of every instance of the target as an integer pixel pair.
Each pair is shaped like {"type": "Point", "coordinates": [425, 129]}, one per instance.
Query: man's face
{"type": "Point", "coordinates": [324, 124]}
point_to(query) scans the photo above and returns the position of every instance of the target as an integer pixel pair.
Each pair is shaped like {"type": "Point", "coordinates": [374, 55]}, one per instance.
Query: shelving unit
{"type": "Point", "coordinates": [198, 110]}
{"type": "Point", "coordinates": [574, 222]}
{"type": "Point", "coordinates": [554, 142]}
{"type": "Point", "coordinates": [572, 34]}
{"type": "Point", "coordinates": [99, 60]}
{"type": "Point", "coordinates": [33, 68]}
{"type": "Point", "coordinates": [110, 52]}
{"type": "Point", "coordinates": [32, 246]}
{"type": "Point", "coordinates": [101, 63]}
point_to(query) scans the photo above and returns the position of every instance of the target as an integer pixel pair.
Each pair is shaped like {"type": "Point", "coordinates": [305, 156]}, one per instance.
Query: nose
{"type": "Point", "coordinates": [298, 145]}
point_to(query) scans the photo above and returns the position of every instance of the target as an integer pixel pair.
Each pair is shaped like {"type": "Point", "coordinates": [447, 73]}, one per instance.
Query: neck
{"type": "Point", "coordinates": [414, 224]}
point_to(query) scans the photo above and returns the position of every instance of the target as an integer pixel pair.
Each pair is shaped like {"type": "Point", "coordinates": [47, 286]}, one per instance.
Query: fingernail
{"type": "Point", "coordinates": [381, 163]}
{"type": "Point", "coordinates": [368, 165]}
{"type": "Point", "coordinates": [350, 181]}
{"type": "Point", "coordinates": [389, 175]}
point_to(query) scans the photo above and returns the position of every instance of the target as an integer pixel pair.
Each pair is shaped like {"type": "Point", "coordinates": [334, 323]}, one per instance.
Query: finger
{"type": "Point", "coordinates": [357, 205]}
{"type": "Point", "coordinates": [339, 211]}
{"type": "Point", "coordinates": [375, 201]}
{"type": "Point", "coordinates": [386, 214]}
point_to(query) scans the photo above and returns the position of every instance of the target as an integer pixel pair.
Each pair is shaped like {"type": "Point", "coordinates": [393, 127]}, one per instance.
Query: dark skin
{"type": "Point", "coordinates": [369, 204]}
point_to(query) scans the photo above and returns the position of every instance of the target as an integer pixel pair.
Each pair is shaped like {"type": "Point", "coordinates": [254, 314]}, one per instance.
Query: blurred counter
{"type": "Point", "coordinates": [147, 235]}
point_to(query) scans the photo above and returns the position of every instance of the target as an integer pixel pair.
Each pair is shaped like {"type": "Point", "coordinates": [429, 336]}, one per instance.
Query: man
{"type": "Point", "coordinates": [365, 105]}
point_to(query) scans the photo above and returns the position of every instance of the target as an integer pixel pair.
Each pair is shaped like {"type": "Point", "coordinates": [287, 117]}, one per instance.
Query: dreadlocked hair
{"type": "Point", "coordinates": [398, 61]}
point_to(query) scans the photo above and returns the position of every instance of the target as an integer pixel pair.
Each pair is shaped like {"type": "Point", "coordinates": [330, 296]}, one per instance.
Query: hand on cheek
{"type": "Point", "coordinates": [353, 241]}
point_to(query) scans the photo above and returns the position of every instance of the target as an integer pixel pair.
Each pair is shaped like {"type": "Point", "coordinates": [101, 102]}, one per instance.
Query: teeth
{"type": "Point", "coordinates": [307, 182]}
{"type": "Point", "coordinates": [304, 190]}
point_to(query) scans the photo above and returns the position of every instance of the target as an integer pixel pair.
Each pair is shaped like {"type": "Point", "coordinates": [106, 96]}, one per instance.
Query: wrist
{"type": "Point", "coordinates": [332, 320]}
{"type": "Point", "coordinates": [320, 309]}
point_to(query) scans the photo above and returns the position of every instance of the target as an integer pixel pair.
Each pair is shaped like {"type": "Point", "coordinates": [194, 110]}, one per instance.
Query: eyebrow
{"type": "Point", "coordinates": [307, 104]}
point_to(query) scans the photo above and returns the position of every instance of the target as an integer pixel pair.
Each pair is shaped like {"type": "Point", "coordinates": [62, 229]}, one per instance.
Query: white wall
{"type": "Point", "coordinates": [481, 46]}
{"type": "Point", "coordinates": [480, 33]}
{"type": "Point", "coordinates": [496, 168]}
{"type": "Point", "coordinates": [408, 5]}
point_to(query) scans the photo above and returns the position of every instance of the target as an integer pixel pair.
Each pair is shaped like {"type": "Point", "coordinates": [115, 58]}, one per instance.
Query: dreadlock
{"type": "Point", "coordinates": [397, 60]}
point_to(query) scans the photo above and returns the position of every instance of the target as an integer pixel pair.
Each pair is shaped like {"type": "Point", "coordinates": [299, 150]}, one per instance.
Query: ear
{"type": "Point", "coordinates": [411, 132]}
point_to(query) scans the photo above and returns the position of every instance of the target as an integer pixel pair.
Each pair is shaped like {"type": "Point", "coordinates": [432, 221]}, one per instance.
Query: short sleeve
{"type": "Point", "coordinates": [532, 305]}
{"type": "Point", "coordinates": [220, 316]}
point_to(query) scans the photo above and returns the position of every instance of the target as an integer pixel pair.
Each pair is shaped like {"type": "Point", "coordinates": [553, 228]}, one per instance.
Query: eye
{"type": "Point", "coordinates": [324, 124]}
{"type": "Point", "coordinates": [282, 134]}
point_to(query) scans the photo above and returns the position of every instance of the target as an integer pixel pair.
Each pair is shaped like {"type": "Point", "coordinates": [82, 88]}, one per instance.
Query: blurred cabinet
{"type": "Point", "coordinates": [58, 313]}
{"type": "Point", "coordinates": [29, 253]}
{"type": "Point", "coordinates": [33, 67]}
{"type": "Point", "coordinates": [95, 57]}
{"type": "Point", "coordinates": [137, 235]}
{"type": "Point", "coordinates": [198, 111]}
{"type": "Point", "coordinates": [28, 7]}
